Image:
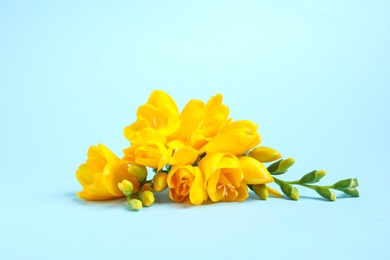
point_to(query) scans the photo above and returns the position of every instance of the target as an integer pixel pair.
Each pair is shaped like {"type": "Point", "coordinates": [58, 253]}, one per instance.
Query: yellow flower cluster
{"type": "Point", "coordinates": [200, 154]}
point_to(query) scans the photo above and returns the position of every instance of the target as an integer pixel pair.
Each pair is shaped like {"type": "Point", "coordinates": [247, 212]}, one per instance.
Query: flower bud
{"type": "Point", "coordinates": [326, 193]}
{"type": "Point", "coordinates": [135, 204]}
{"type": "Point", "coordinates": [274, 167]}
{"type": "Point", "coordinates": [160, 181]}
{"type": "Point", "coordinates": [352, 192]}
{"type": "Point", "coordinates": [346, 184]}
{"type": "Point", "coordinates": [261, 191]}
{"type": "Point", "coordinates": [313, 177]}
{"type": "Point", "coordinates": [147, 198]}
{"type": "Point", "coordinates": [265, 154]}
{"type": "Point", "coordinates": [289, 190]}
{"type": "Point", "coordinates": [138, 171]}
{"type": "Point", "coordinates": [281, 166]}
{"type": "Point", "coordinates": [126, 187]}
{"type": "Point", "coordinates": [147, 186]}
{"type": "Point", "coordinates": [285, 164]}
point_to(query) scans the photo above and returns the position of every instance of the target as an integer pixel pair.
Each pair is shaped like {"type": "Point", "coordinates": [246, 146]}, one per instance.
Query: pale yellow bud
{"type": "Point", "coordinates": [160, 181]}
{"type": "Point", "coordinates": [265, 154]}
{"type": "Point", "coordinates": [135, 204]}
{"type": "Point", "coordinates": [147, 198]}
{"type": "Point", "coordinates": [138, 171]}
{"type": "Point", "coordinates": [126, 187]}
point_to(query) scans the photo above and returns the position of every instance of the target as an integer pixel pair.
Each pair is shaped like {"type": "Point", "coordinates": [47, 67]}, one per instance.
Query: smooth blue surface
{"type": "Point", "coordinates": [313, 74]}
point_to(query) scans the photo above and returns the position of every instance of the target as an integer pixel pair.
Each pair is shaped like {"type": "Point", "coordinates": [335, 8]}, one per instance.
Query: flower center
{"type": "Point", "coordinates": [226, 188]}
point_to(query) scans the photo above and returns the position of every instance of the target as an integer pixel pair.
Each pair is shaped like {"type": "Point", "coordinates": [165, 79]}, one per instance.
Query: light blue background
{"type": "Point", "coordinates": [313, 74]}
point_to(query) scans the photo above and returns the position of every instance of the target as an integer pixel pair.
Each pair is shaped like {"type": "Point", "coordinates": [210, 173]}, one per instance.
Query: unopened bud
{"type": "Point", "coordinates": [326, 193]}
{"type": "Point", "coordinates": [160, 181]}
{"type": "Point", "coordinates": [147, 186]}
{"type": "Point", "coordinates": [313, 177]}
{"type": "Point", "coordinates": [147, 198]}
{"type": "Point", "coordinates": [126, 187]}
{"type": "Point", "coordinates": [135, 204]}
{"type": "Point", "coordinates": [285, 164]}
{"type": "Point", "coordinates": [352, 192]}
{"type": "Point", "coordinates": [138, 171]}
{"type": "Point", "coordinates": [346, 184]}
{"type": "Point", "coordinates": [265, 154]}
{"type": "Point", "coordinates": [273, 168]}
{"type": "Point", "coordinates": [289, 190]}
{"type": "Point", "coordinates": [261, 191]}
{"type": "Point", "coordinates": [281, 166]}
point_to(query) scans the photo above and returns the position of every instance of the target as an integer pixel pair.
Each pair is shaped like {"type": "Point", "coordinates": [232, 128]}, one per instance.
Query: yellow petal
{"type": "Point", "coordinates": [236, 143]}
{"type": "Point", "coordinates": [208, 165]}
{"type": "Point", "coordinates": [85, 175]}
{"type": "Point", "coordinates": [108, 155]}
{"type": "Point", "coordinates": [198, 192]}
{"type": "Point", "coordinates": [86, 196]}
{"type": "Point", "coordinates": [254, 171]}
{"type": "Point", "coordinates": [242, 192]}
{"type": "Point", "coordinates": [274, 193]}
{"type": "Point", "coordinates": [214, 194]}
{"type": "Point", "coordinates": [191, 116]}
{"type": "Point", "coordinates": [184, 155]}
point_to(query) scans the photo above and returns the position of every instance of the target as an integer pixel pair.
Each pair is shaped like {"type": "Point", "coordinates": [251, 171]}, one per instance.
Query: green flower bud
{"type": "Point", "coordinates": [281, 166]}
{"type": "Point", "coordinates": [313, 177]}
{"type": "Point", "coordinates": [352, 192]}
{"type": "Point", "coordinates": [126, 187]}
{"type": "Point", "coordinates": [138, 171]}
{"type": "Point", "coordinates": [135, 204]}
{"type": "Point", "coordinates": [261, 191]}
{"type": "Point", "coordinates": [346, 184]}
{"type": "Point", "coordinates": [289, 190]}
{"type": "Point", "coordinates": [285, 164]}
{"type": "Point", "coordinates": [274, 167]}
{"type": "Point", "coordinates": [326, 193]}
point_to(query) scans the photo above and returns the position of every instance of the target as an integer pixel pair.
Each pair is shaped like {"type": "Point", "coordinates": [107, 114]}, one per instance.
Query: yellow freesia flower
{"type": "Point", "coordinates": [238, 137]}
{"type": "Point", "coordinates": [224, 177]}
{"type": "Point", "coordinates": [254, 171]}
{"type": "Point", "coordinates": [186, 183]}
{"type": "Point", "coordinates": [148, 150]}
{"type": "Point", "coordinates": [200, 122]}
{"type": "Point", "coordinates": [159, 113]}
{"type": "Point", "coordinates": [101, 174]}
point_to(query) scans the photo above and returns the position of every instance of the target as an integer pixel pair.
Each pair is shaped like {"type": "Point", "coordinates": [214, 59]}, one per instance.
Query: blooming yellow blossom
{"type": "Point", "coordinates": [224, 176]}
{"type": "Point", "coordinates": [186, 183]}
{"type": "Point", "coordinates": [159, 113]}
{"type": "Point", "coordinates": [200, 122]}
{"type": "Point", "coordinates": [101, 174]}
{"type": "Point", "coordinates": [148, 149]}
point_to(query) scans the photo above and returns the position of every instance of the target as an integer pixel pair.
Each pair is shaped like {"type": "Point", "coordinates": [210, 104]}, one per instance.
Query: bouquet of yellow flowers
{"type": "Point", "coordinates": [199, 154]}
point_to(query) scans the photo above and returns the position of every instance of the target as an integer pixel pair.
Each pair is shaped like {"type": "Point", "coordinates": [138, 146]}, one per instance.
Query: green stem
{"type": "Point", "coordinates": [297, 182]}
